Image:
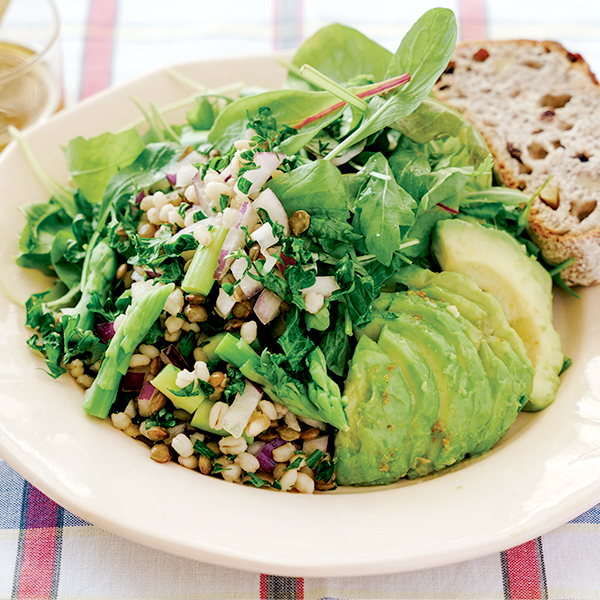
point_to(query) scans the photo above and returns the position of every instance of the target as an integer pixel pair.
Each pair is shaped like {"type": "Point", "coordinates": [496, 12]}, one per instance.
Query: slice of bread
{"type": "Point", "coordinates": [538, 108]}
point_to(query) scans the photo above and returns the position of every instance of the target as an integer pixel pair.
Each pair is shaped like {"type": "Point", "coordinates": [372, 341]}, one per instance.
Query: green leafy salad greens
{"type": "Point", "coordinates": [367, 163]}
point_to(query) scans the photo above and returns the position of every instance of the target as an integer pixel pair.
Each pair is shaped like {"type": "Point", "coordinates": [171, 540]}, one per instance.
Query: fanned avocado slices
{"type": "Point", "coordinates": [458, 370]}
{"type": "Point", "coordinates": [467, 352]}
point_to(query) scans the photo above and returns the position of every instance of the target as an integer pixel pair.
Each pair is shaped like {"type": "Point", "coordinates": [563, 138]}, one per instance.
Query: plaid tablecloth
{"type": "Point", "coordinates": [46, 552]}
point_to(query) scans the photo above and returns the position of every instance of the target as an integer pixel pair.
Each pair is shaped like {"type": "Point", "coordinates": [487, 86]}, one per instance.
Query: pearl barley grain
{"type": "Point", "coordinates": [304, 484]}
{"type": "Point", "coordinates": [288, 480]}
{"type": "Point", "coordinates": [248, 331]}
{"type": "Point", "coordinates": [248, 462]}
{"type": "Point", "coordinates": [182, 444]}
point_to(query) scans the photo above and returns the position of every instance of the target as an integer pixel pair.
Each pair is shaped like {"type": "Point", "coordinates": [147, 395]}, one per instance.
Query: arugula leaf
{"type": "Point", "coordinates": [382, 208]}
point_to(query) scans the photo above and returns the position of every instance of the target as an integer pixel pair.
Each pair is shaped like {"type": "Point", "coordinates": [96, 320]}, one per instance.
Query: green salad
{"type": "Point", "coordinates": [303, 287]}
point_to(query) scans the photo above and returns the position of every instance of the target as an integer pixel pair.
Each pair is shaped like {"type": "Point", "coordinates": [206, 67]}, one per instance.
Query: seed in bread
{"type": "Point", "coordinates": [538, 108]}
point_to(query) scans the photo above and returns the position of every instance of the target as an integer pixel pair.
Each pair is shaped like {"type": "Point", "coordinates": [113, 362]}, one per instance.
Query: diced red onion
{"type": "Point", "coordinates": [270, 262]}
{"type": "Point", "coordinates": [265, 456]}
{"type": "Point", "coordinates": [224, 304]}
{"type": "Point", "coordinates": [105, 331]}
{"type": "Point", "coordinates": [236, 237]}
{"type": "Point", "coordinates": [171, 178]}
{"type": "Point", "coordinates": [320, 443]}
{"type": "Point", "coordinates": [173, 431]}
{"type": "Point", "coordinates": [147, 392]}
{"type": "Point", "coordinates": [324, 284]}
{"type": "Point", "coordinates": [206, 206]}
{"type": "Point", "coordinates": [145, 399]}
{"type": "Point", "coordinates": [267, 306]}
{"type": "Point", "coordinates": [171, 356]}
{"type": "Point", "coordinates": [140, 196]}
{"type": "Point", "coordinates": [267, 162]}
{"type": "Point", "coordinates": [267, 200]}
{"type": "Point", "coordinates": [285, 261]}
{"type": "Point", "coordinates": [133, 381]}
{"type": "Point", "coordinates": [247, 284]}
{"type": "Point", "coordinates": [264, 236]}
{"type": "Point", "coordinates": [241, 409]}
{"type": "Point", "coordinates": [255, 447]}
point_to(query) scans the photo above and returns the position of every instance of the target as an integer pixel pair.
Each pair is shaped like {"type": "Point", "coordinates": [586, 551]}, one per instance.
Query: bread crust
{"type": "Point", "coordinates": [537, 106]}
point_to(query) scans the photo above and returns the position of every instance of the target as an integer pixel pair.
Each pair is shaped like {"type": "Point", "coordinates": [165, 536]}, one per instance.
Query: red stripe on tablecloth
{"type": "Point", "coordinates": [97, 63]}
{"type": "Point", "coordinates": [37, 576]}
{"type": "Point", "coordinates": [473, 25]}
{"type": "Point", "coordinates": [300, 588]}
{"type": "Point", "coordinates": [263, 586]}
{"type": "Point", "coordinates": [523, 571]}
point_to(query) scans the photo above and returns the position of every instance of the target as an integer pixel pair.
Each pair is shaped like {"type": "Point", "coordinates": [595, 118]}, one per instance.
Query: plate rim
{"type": "Point", "coordinates": [224, 556]}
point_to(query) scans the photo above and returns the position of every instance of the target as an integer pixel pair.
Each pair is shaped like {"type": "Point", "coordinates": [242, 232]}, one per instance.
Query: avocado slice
{"type": "Point", "coordinates": [499, 265]}
{"type": "Point", "coordinates": [423, 387]}
{"type": "Point", "coordinates": [380, 405]}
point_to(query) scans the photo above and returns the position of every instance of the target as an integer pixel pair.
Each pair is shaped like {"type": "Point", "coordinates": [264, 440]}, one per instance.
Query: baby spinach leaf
{"type": "Point", "coordinates": [382, 208]}
{"type": "Point", "coordinates": [68, 271]}
{"type": "Point", "coordinates": [288, 107]}
{"type": "Point", "coordinates": [44, 223]}
{"type": "Point", "coordinates": [93, 162]}
{"type": "Point", "coordinates": [317, 188]}
{"type": "Point", "coordinates": [425, 52]}
{"type": "Point", "coordinates": [341, 53]}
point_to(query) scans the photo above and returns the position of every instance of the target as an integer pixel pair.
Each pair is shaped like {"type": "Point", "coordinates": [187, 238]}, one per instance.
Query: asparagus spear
{"type": "Point", "coordinates": [102, 267]}
{"type": "Point", "coordinates": [139, 318]}
{"type": "Point", "coordinates": [199, 276]}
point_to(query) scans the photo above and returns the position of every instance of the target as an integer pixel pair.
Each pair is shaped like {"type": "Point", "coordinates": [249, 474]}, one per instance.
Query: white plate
{"type": "Point", "coordinates": [545, 472]}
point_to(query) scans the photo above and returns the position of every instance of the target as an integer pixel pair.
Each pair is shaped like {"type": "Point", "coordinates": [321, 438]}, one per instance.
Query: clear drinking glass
{"type": "Point", "coordinates": [30, 63]}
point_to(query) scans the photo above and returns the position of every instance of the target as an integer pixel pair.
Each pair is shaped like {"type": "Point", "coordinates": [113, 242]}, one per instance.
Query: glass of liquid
{"type": "Point", "coordinates": [30, 64]}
